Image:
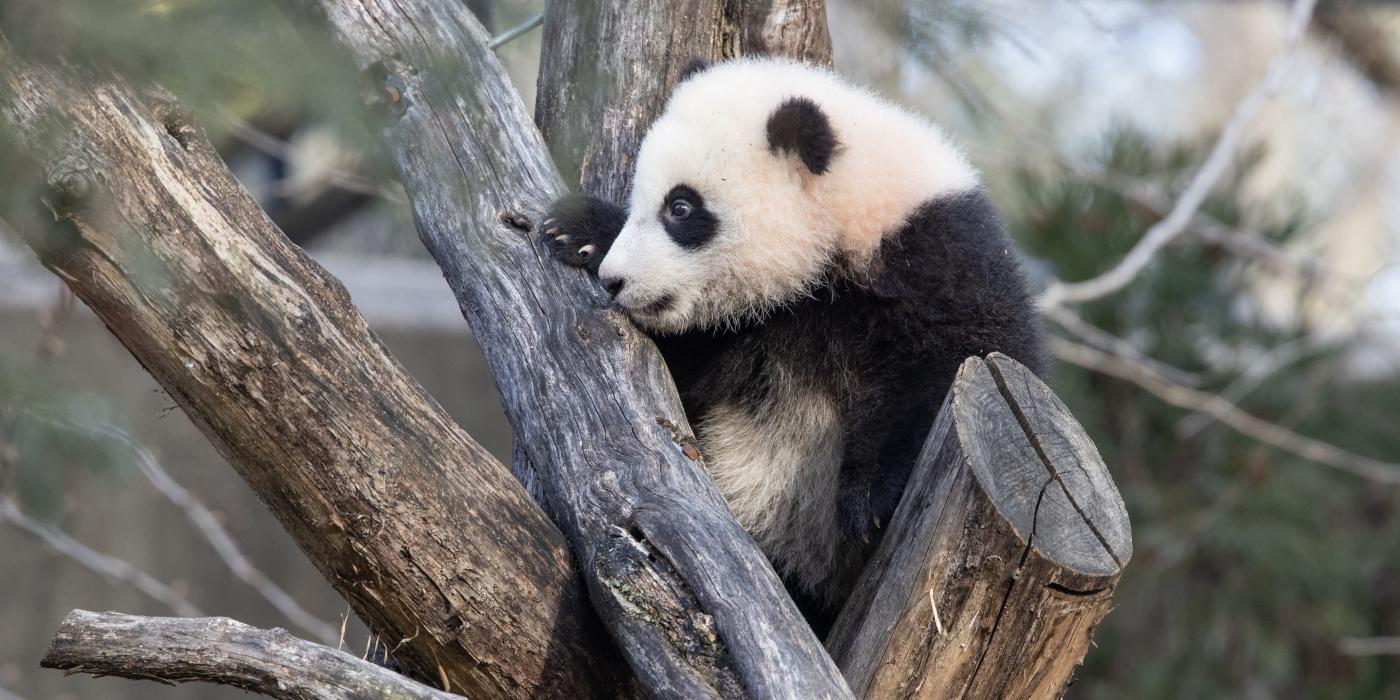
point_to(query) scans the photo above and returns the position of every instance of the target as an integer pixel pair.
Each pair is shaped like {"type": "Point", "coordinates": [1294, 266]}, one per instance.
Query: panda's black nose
{"type": "Point", "coordinates": [613, 285]}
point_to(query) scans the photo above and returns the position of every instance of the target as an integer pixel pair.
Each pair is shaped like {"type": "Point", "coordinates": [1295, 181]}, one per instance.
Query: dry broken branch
{"type": "Point", "coordinates": [174, 650]}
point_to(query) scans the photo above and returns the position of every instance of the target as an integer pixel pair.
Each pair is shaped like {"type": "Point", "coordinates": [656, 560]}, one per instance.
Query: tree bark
{"type": "Point", "coordinates": [1002, 556]}
{"type": "Point", "coordinates": [219, 650]}
{"type": "Point", "coordinates": [607, 68]}
{"type": "Point", "coordinates": [690, 599]}
{"type": "Point", "coordinates": [429, 538]}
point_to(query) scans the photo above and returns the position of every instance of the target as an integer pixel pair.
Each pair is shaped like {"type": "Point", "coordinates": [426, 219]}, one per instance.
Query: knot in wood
{"type": "Point", "coordinates": [71, 181]}
{"type": "Point", "coordinates": [385, 88]}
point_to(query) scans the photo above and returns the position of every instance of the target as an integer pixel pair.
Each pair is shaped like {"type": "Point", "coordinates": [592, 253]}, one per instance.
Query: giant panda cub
{"type": "Point", "coordinates": [814, 264]}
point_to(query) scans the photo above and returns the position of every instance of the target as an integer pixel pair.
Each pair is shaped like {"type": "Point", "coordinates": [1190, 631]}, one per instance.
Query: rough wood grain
{"type": "Point", "coordinates": [429, 538]}
{"type": "Point", "coordinates": [690, 599]}
{"type": "Point", "coordinates": [792, 28]}
{"type": "Point", "coordinates": [607, 67]}
{"type": "Point", "coordinates": [175, 650]}
{"type": "Point", "coordinates": [1001, 559]}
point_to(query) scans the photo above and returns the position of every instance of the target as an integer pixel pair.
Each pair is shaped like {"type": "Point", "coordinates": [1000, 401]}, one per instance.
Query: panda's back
{"type": "Point", "coordinates": [774, 403]}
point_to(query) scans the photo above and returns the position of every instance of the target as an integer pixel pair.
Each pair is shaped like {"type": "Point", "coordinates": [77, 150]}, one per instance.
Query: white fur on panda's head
{"type": "Point", "coordinates": [757, 176]}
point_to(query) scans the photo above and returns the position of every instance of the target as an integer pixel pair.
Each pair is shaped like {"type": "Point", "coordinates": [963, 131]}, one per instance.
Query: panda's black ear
{"type": "Point", "coordinates": [799, 126]}
{"type": "Point", "coordinates": [693, 66]}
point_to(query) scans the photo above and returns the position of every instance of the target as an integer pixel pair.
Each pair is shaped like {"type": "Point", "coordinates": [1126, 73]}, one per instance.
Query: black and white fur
{"type": "Point", "coordinates": [814, 263]}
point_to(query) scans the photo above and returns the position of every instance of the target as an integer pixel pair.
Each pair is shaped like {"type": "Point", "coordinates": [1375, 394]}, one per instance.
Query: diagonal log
{"type": "Point", "coordinates": [428, 537]}
{"type": "Point", "coordinates": [1002, 556]}
{"type": "Point", "coordinates": [685, 592]}
{"type": "Point", "coordinates": [219, 650]}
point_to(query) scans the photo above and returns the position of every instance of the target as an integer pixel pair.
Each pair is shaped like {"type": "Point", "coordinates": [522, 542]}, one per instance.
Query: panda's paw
{"type": "Point", "coordinates": [578, 230]}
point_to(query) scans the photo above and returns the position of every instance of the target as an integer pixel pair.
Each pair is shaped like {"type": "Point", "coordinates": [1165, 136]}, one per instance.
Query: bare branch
{"type": "Point", "coordinates": [206, 523]}
{"type": "Point", "coordinates": [108, 567]}
{"type": "Point", "coordinates": [1222, 410]}
{"type": "Point", "coordinates": [1370, 646]}
{"type": "Point", "coordinates": [1107, 342]}
{"type": "Point", "coordinates": [219, 650]}
{"type": "Point", "coordinates": [1210, 172]}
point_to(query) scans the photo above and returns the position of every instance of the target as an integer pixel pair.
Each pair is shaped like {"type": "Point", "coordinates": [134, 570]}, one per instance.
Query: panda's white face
{"type": "Point", "coordinates": [756, 178]}
{"type": "Point", "coordinates": [719, 228]}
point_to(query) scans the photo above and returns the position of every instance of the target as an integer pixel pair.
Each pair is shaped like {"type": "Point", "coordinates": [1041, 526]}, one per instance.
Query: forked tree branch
{"type": "Point", "coordinates": [685, 592]}
{"type": "Point", "coordinates": [175, 650]}
{"type": "Point", "coordinates": [430, 538]}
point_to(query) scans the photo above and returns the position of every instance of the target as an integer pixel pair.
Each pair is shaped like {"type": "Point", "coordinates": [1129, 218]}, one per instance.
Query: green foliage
{"type": "Point", "coordinates": [1251, 565]}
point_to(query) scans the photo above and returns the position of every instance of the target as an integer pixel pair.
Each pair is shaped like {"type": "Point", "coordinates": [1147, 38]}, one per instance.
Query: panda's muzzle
{"type": "Point", "coordinates": [655, 308]}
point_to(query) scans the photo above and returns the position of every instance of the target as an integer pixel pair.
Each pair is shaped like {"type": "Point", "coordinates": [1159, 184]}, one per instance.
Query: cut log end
{"type": "Point", "coordinates": [1039, 468]}
{"type": "Point", "coordinates": [1001, 558]}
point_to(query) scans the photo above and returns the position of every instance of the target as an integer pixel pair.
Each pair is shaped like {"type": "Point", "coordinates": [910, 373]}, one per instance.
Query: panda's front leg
{"type": "Point", "coordinates": [580, 229]}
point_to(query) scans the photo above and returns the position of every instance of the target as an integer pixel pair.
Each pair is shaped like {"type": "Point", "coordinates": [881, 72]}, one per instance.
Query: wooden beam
{"type": "Point", "coordinates": [1002, 556]}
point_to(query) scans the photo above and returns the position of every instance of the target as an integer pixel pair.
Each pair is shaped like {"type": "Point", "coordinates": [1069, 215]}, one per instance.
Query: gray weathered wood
{"type": "Point", "coordinates": [792, 28]}
{"type": "Point", "coordinates": [427, 536]}
{"type": "Point", "coordinates": [690, 599]}
{"type": "Point", "coordinates": [1002, 556]}
{"type": "Point", "coordinates": [174, 650]}
{"type": "Point", "coordinates": [607, 67]}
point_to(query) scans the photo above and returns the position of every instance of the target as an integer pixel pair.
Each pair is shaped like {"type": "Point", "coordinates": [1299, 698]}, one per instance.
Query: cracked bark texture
{"type": "Point", "coordinates": [218, 650]}
{"type": "Point", "coordinates": [692, 602]}
{"type": "Point", "coordinates": [1001, 559]}
{"type": "Point", "coordinates": [429, 537]}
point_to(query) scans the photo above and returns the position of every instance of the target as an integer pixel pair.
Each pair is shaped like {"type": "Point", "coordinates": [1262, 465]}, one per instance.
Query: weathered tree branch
{"type": "Point", "coordinates": [427, 535]}
{"type": "Point", "coordinates": [219, 650]}
{"type": "Point", "coordinates": [1002, 557]}
{"type": "Point", "coordinates": [688, 596]}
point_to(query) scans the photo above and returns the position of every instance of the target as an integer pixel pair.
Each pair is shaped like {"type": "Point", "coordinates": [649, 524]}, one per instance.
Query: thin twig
{"type": "Point", "coordinates": [1107, 342]}
{"type": "Point", "coordinates": [516, 32]}
{"type": "Point", "coordinates": [1259, 369]}
{"type": "Point", "coordinates": [1210, 172]}
{"type": "Point", "coordinates": [109, 567]}
{"type": "Point", "coordinates": [1185, 397]}
{"type": "Point", "coordinates": [1370, 646]}
{"type": "Point", "coordinates": [206, 523]}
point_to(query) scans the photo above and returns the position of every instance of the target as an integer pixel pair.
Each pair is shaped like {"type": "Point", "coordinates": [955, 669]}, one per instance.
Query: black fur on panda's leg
{"type": "Point", "coordinates": [580, 229]}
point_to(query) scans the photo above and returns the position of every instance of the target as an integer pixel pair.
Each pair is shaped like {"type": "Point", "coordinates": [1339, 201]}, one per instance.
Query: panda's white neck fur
{"type": "Point", "coordinates": [891, 162]}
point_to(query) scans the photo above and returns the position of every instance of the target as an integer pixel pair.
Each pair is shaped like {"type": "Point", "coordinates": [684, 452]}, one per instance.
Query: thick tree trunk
{"type": "Point", "coordinates": [688, 596]}
{"type": "Point", "coordinates": [219, 650]}
{"type": "Point", "coordinates": [1001, 559]}
{"type": "Point", "coordinates": [427, 535]}
{"type": "Point", "coordinates": [607, 67]}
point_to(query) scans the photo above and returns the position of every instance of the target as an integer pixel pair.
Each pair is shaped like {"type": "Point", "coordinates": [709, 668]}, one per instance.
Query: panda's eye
{"type": "Point", "coordinates": [680, 209]}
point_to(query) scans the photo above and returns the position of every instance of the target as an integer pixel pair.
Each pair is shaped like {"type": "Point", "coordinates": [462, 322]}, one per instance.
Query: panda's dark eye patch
{"type": "Point", "coordinates": [686, 219]}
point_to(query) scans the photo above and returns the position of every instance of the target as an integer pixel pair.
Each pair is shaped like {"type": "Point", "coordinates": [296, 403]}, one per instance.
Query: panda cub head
{"type": "Point", "coordinates": [760, 178]}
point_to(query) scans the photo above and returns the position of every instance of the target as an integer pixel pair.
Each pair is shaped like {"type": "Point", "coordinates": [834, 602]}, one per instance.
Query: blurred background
{"type": "Point", "coordinates": [1243, 385]}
